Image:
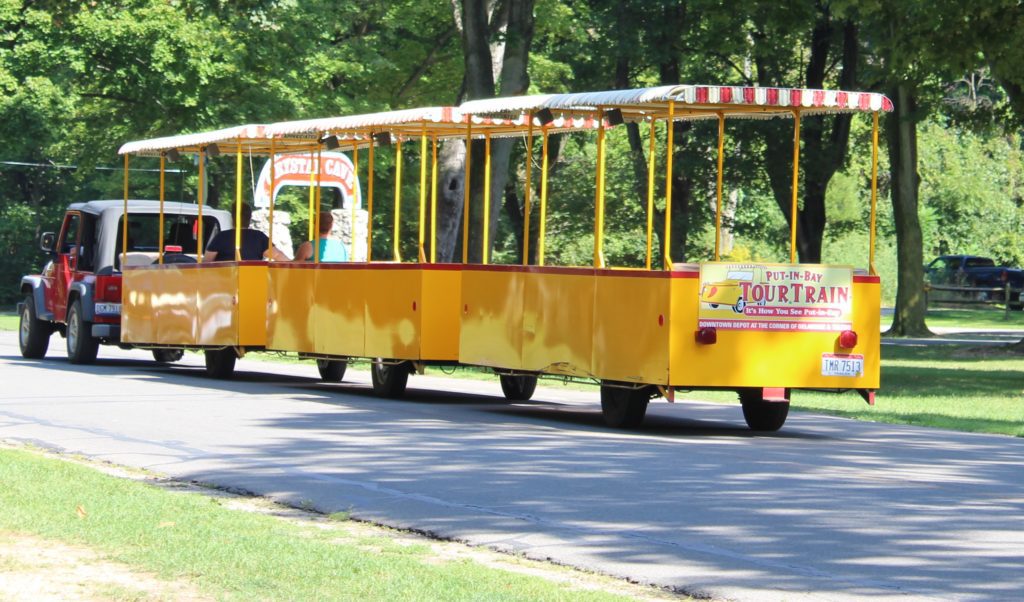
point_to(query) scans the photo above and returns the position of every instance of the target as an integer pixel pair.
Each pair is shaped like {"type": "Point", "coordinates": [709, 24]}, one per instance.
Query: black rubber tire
{"type": "Point", "coordinates": [389, 380]}
{"type": "Point", "coordinates": [168, 356]}
{"type": "Point", "coordinates": [33, 333]}
{"type": "Point", "coordinates": [331, 371]}
{"type": "Point", "coordinates": [220, 363]}
{"type": "Point", "coordinates": [761, 415]}
{"type": "Point", "coordinates": [82, 347]}
{"type": "Point", "coordinates": [740, 304]}
{"type": "Point", "coordinates": [518, 387]}
{"type": "Point", "coordinates": [623, 407]}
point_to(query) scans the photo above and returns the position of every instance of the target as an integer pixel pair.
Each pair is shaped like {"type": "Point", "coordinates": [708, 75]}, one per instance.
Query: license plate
{"type": "Point", "coordinates": [842, 365]}
{"type": "Point", "coordinates": [108, 309]}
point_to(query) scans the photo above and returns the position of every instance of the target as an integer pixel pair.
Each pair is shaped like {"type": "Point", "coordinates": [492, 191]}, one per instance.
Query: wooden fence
{"type": "Point", "coordinates": [1006, 295]}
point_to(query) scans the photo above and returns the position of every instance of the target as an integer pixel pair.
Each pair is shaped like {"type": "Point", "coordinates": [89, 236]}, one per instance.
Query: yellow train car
{"type": "Point", "coordinates": [760, 329]}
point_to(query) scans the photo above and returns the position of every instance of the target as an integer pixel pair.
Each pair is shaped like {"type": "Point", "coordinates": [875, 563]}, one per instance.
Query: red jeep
{"type": "Point", "coordinates": [79, 292]}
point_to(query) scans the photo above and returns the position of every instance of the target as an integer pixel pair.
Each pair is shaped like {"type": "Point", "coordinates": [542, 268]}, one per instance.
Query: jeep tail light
{"type": "Point", "coordinates": [108, 288]}
{"type": "Point", "coordinates": [847, 339]}
{"type": "Point", "coordinates": [707, 336]}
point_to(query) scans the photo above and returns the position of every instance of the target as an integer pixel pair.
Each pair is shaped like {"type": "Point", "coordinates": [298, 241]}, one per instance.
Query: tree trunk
{"type": "Point", "coordinates": [480, 64]}
{"type": "Point", "coordinates": [514, 211]}
{"type": "Point", "coordinates": [451, 181]}
{"type": "Point", "coordinates": [824, 148]}
{"type": "Point", "coordinates": [555, 142]}
{"type": "Point", "coordinates": [901, 131]}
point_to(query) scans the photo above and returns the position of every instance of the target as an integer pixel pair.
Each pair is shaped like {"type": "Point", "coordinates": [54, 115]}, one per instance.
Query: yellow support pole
{"type": "Point", "coordinates": [433, 203]}
{"type": "Point", "coordinates": [369, 204]}
{"type": "Point", "coordinates": [124, 217]}
{"type": "Point", "coordinates": [316, 214]}
{"type": "Point", "coordinates": [599, 195]}
{"type": "Point", "coordinates": [423, 193]}
{"type": "Point", "coordinates": [270, 216]}
{"type": "Point", "coordinates": [670, 143]}
{"type": "Point", "coordinates": [527, 192]}
{"type": "Point", "coordinates": [160, 243]}
{"type": "Point", "coordinates": [796, 183]}
{"type": "Point", "coordinates": [200, 196]}
{"type": "Point", "coordinates": [238, 201]}
{"type": "Point", "coordinates": [487, 200]}
{"type": "Point", "coordinates": [650, 192]}
{"type": "Point", "coordinates": [352, 204]}
{"type": "Point", "coordinates": [312, 181]}
{"type": "Point", "coordinates": [718, 190]}
{"type": "Point", "coordinates": [398, 198]}
{"type": "Point", "coordinates": [874, 191]}
{"type": "Point", "coordinates": [543, 195]}
{"type": "Point", "coordinates": [466, 192]}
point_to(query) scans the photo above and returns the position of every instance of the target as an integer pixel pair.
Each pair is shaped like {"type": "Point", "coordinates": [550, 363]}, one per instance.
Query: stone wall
{"type": "Point", "coordinates": [342, 229]}
{"type": "Point", "coordinates": [282, 236]}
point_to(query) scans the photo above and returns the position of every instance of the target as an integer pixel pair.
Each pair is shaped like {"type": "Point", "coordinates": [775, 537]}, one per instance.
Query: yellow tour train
{"type": "Point", "coordinates": [760, 329]}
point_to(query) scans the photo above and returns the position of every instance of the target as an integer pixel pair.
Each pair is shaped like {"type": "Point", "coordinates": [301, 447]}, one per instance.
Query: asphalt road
{"type": "Point", "coordinates": [826, 509]}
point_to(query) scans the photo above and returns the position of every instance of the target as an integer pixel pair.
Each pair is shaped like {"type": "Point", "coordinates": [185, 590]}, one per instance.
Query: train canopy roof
{"type": "Point", "coordinates": [510, 116]}
{"type": "Point", "coordinates": [690, 102]}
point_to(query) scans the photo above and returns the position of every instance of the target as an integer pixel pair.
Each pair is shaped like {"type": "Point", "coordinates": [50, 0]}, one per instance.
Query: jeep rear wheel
{"type": "Point", "coordinates": [33, 333]}
{"type": "Point", "coordinates": [82, 347]}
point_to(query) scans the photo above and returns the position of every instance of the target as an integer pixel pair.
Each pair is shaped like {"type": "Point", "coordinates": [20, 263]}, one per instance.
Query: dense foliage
{"type": "Point", "coordinates": [79, 79]}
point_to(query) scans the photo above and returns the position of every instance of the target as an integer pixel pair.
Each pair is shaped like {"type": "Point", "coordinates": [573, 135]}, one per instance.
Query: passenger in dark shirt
{"type": "Point", "coordinates": [254, 246]}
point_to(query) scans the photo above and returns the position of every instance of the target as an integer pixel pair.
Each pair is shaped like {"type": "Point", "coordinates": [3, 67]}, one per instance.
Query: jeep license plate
{"type": "Point", "coordinates": [833, 364]}
{"type": "Point", "coordinates": [108, 309]}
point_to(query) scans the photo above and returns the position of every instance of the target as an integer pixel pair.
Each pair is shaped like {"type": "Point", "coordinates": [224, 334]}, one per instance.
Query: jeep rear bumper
{"type": "Point", "coordinates": [107, 332]}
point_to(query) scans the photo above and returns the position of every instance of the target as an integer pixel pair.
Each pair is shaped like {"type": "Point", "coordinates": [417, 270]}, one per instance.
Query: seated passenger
{"type": "Point", "coordinates": [332, 250]}
{"type": "Point", "coordinates": [254, 243]}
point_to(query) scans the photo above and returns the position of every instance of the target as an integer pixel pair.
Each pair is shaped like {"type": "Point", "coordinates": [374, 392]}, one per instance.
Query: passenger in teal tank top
{"type": "Point", "coordinates": [331, 249]}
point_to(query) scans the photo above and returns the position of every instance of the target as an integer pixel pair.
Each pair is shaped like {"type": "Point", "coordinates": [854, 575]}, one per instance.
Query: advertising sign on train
{"type": "Point", "coordinates": [335, 171]}
{"type": "Point", "coordinates": [780, 297]}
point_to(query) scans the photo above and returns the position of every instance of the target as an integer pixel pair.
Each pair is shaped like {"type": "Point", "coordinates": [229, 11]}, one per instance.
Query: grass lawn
{"type": "Point", "coordinates": [8, 320]}
{"type": "Point", "coordinates": [955, 387]}
{"type": "Point", "coordinates": [232, 554]}
{"type": "Point", "coordinates": [969, 318]}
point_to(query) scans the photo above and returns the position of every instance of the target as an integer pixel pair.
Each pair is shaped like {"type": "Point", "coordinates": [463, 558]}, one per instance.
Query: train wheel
{"type": "Point", "coordinates": [623, 407]}
{"type": "Point", "coordinates": [761, 415]}
{"type": "Point", "coordinates": [33, 333]}
{"type": "Point", "coordinates": [518, 387]}
{"type": "Point", "coordinates": [389, 380]}
{"type": "Point", "coordinates": [82, 347]}
{"type": "Point", "coordinates": [220, 363]}
{"type": "Point", "coordinates": [331, 371]}
{"type": "Point", "coordinates": [168, 356]}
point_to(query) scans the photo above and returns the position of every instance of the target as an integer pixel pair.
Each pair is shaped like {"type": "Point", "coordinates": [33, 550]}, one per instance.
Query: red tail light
{"type": "Point", "coordinates": [707, 336]}
{"type": "Point", "coordinates": [108, 289]}
{"type": "Point", "coordinates": [847, 339]}
{"type": "Point", "coordinates": [172, 248]}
